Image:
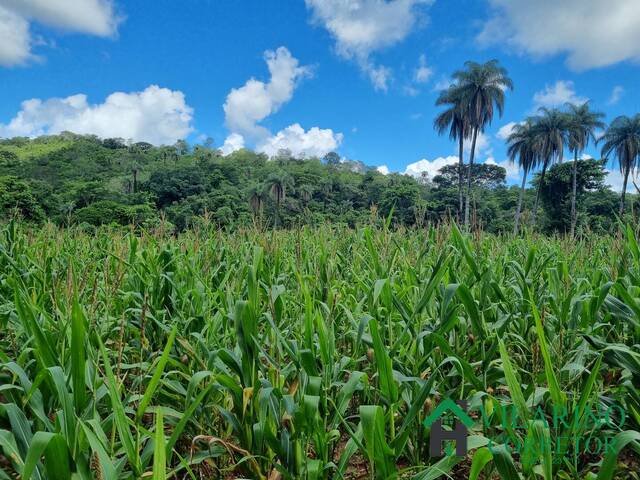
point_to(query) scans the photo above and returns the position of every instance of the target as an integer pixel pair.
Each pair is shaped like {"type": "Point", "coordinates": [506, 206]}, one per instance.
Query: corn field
{"type": "Point", "coordinates": [313, 353]}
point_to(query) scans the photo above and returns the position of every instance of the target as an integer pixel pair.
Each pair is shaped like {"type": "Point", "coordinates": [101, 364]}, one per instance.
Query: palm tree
{"type": "Point", "coordinates": [550, 127]}
{"type": "Point", "coordinates": [277, 183]}
{"type": "Point", "coordinates": [306, 193]}
{"type": "Point", "coordinates": [582, 125]}
{"type": "Point", "coordinates": [455, 120]}
{"type": "Point", "coordinates": [623, 139]}
{"type": "Point", "coordinates": [134, 163]}
{"type": "Point", "coordinates": [257, 196]}
{"type": "Point", "coordinates": [480, 87]}
{"type": "Point", "coordinates": [523, 145]}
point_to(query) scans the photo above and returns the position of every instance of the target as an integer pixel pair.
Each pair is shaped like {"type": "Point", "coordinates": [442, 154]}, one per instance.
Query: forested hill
{"type": "Point", "coordinates": [86, 180]}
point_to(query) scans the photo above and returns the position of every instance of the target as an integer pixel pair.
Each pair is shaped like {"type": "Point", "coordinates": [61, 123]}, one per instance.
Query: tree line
{"type": "Point", "coordinates": [477, 92]}
{"type": "Point", "coordinates": [88, 181]}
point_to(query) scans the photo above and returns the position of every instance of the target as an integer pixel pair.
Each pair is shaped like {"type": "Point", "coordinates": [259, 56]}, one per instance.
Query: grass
{"type": "Point", "coordinates": [313, 354]}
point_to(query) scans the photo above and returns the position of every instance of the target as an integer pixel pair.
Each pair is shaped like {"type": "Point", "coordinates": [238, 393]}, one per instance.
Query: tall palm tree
{"type": "Point", "coordinates": [134, 163]}
{"type": "Point", "coordinates": [306, 193]}
{"type": "Point", "coordinates": [551, 129]}
{"type": "Point", "coordinates": [455, 120]}
{"type": "Point", "coordinates": [582, 126]}
{"type": "Point", "coordinates": [277, 183]}
{"type": "Point", "coordinates": [480, 87]}
{"type": "Point", "coordinates": [523, 145]}
{"type": "Point", "coordinates": [623, 139]}
{"type": "Point", "coordinates": [257, 195]}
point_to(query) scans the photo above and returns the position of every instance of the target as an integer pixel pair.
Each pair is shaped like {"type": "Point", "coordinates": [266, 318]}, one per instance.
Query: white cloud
{"type": "Point", "coordinates": [423, 72]}
{"type": "Point", "coordinates": [361, 27]}
{"type": "Point", "coordinates": [483, 145]}
{"type": "Point", "coordinates": [505, 130]}
{"type": "Point", "coordinates": [315, 142]}
{"type": "Point", "coordinates": [513, 171]}
{"type": "Point", "coordinates": [558, 94]}
{"type": "Point", "coordinates": [410, 90]}
{"type": "Point", "coordinates": [156, 115]}
{"type": "Point", "coordinates": [442, 84]}
{"type": "Point", "coordinates": [383, 169]}
{"type": "Point", "coordinates": [15, 41]}
{"type": "Point", "coordinates": [430, 167]}
{"type": "Point", "coordinates": [256, 100]}
{"type": "Point", "coordinates": [248, 105]}
{"type": "Point", "coordinates": [93, 17]}
{"type": "Point", "coordinates": [593, 33]}
{"type": "Point", "coordinates": [233, 142]}
{"type": "Point", "coordinates": [379, 75]}
{"type": "Point", "coordinates": [616, 95]}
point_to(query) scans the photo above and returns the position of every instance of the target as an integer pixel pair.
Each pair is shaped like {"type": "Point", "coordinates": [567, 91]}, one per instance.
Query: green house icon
{"type": "Point", "coordinates": [448, 406]}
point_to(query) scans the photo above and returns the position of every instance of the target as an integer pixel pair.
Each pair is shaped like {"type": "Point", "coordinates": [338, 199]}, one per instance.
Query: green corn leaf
{"type": "Point", "coordinates": [159, 449]}
{"type": "Point", "coordinates": [512, 382]}
{"type": "Point", "coordinates": [481, 458]}
{"type": "Point", "coordinates": [157, 374]}
{"type": "Point", "coordinates": [388, 386]}
{"type": "Point", "coordinates": [121, 420]}
{"type": "Point", "coordinates": [620, 441]}
{"type": "Point", "coordinates": [557, 395]}
{"type": "Point", "coordinates": [78, 356]}
{"type": "Point", "coordinates": [57, 459]}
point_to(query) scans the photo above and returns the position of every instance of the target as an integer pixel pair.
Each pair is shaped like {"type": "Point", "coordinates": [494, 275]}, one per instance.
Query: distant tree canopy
{"type": "Point", "coordinates": [484, 175]}
{"type": "Point", "coordinates": [556, 194]}
{"type": "Point", "coordinates": [90, 181]}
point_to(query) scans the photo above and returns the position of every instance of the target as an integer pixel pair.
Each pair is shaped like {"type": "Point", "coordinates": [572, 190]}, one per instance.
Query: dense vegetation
{"type": "Point", "coordinates": [72, 179]}
{"type": "Point", "coordinates": [312, 353]}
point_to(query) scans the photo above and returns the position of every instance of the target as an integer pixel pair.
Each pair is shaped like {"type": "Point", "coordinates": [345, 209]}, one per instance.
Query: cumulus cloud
{"type": "Point", "coordinates": [15, 41]}
{"type": "Point", "coordinates": [429, 167]}
{"type": "Point", "coordinates": [315, 142]}
{"type": "Point", "coordinates": [505, 130]}
{"type": "Point", "coordinates": [256, 100]}
{"type": "Point", "coordinates": [93, 17]}
{"type": "Point", "coordinates": [616, 95]}
{"type": "Point", "coordinates": [383, 169]}
{"type": "Point", "coordinates": [233, 142]}
{"type": "Point", "coordinates": [156, 115]}
{"type": "Point", "coordinates": [592, 33]}
{"type": "Point", "coordinates": [247, 106]}
{"type": "Point", "coordinates": [558, 94]}
{"type": "Point", "coordinates": [361, 27]}
{"type": "Point", "coordinates": [423, 72]}
{"type": "Point", "coordinates": [442, 84]}
{"type": "Point", "coordinates": [483, 145]}
{"type": "Point", "coordinates": [512, 168]}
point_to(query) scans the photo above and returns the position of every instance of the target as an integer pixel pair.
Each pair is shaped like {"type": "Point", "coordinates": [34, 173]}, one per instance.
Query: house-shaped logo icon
{"type": "Point", "coordinates": [459, 432]}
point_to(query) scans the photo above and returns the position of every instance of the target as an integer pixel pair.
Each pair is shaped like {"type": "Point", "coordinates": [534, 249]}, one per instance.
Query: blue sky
{"type": "Point", "coordinates": [357, 76]}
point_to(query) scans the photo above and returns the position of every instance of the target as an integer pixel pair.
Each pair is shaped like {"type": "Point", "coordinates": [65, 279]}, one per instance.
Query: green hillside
{"type": "Point", "coordinates": [86, 180]}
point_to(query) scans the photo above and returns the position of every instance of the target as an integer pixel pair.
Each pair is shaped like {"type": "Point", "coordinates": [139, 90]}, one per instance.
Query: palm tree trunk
{"type": "Point", "coordinates": [624, 191]}
{"type": "Point", "coordinates": [574, 216]}
{"type": "Point", "coordinates": [519, 209]}
{"type": "Point", "coordinates": [460, 175]}
{"type": "Point", "coordinates": [469, 176]}
{"type": "Point", "coordinates": [535, 205]}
